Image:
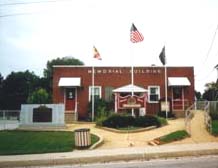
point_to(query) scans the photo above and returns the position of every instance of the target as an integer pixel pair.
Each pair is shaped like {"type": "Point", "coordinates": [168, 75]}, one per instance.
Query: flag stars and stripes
{"type": "Point", "coordinates": [135, 35]}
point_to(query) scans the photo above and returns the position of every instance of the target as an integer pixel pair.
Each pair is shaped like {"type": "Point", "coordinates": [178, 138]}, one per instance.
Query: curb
{"type": "Point", "coordinates": [126, 131]}
{"type": "Point", "coordinates": [102, 156]}
{"type": "Point", "coordinates": [97, 144]}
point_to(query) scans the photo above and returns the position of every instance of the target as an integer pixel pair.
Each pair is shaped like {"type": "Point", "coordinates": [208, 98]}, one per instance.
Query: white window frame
{"type": "Point", "coordinates": [149, 93]}
{"type": "Point", "coordinates": [90, 92]}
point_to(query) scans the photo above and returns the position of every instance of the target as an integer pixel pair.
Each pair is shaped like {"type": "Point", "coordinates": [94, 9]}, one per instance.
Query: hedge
{"type": "Point", "coordinates": [121, 121]}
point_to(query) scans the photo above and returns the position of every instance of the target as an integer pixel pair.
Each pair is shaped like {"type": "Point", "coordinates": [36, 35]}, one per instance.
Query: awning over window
{"type": "Point", "coordinates": [178, 81]}
{"type": "Point", "coordinates": [69, 82]}
{"type": "Point", "coordinates": [129, 88]}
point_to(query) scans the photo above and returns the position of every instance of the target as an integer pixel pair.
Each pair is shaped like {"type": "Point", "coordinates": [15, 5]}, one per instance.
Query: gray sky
{"type": "Point", "coordinates": [31, 34]}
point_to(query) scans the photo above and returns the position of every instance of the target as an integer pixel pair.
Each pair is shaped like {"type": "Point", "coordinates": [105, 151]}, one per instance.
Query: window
{"type": "Point", "coordinates": [97, 92]}
{"type": "Point", "coordinates": [153, 94]}
{"type": "Point", "coordinates": [109, 93]}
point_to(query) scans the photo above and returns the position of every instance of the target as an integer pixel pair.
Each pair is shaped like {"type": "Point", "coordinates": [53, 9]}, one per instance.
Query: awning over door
{"type": "Point", "coordinates": [130, 88]}
{"type": "Point", "coordinates": [178, 81]}
{"type": "Point", "coordinates": [69, 82]}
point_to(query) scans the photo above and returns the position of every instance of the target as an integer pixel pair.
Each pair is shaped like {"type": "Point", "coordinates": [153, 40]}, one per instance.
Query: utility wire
{"type": "Point", "coordinates": [27, 3]}
{"type": "Point", "coordinates": [209, 50]}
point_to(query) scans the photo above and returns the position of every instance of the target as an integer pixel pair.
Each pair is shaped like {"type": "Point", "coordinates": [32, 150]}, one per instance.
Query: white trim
{"type": "Point", "coordinates": [90, 89]}
{"type": "Point", "coordinates": [158, 92]}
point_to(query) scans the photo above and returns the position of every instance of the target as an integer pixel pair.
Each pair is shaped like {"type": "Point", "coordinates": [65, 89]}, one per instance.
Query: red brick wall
{"type": "Point", "coordinates": [117, 77]}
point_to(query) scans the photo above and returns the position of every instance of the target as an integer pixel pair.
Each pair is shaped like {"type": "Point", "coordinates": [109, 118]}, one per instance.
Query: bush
{"type": "Point", "coordinates": [145, 121]}
{"type": "Point", "coordinates": [162, 121]}
{"type": "Point", "coordinates": [39, 96]}
{"type": "Point", "coordinates": [102, 108]}
{"type": "Point", "coordinates": [121, 121]}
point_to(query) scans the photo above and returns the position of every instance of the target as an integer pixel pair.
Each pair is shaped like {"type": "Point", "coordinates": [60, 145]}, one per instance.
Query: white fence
{"type": "Point", "coordinates": [9, 114]}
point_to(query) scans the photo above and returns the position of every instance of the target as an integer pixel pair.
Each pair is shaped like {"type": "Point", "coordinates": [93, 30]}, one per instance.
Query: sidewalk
{"type": "Point", "coordinates": [107, 155]}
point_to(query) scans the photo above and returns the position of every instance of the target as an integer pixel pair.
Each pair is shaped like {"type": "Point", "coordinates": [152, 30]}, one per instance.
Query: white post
{"type": "Point", "coordinates": [93, 92]}
{"type": "Point", "coordinates": [165, 68]}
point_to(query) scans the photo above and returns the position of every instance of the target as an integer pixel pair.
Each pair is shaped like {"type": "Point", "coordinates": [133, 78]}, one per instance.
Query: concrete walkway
{"type": "Point", "coordinates": [122, 140]}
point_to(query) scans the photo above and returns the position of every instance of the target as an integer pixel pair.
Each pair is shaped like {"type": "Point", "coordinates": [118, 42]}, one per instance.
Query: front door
{"type": "Point", "coordinates": [70, 99]}
{"type": "Point", "coordinates": [177, 98]}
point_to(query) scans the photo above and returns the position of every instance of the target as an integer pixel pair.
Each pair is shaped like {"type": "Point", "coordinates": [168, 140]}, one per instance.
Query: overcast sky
{"type": "Point", "coordinates": [33, 33]}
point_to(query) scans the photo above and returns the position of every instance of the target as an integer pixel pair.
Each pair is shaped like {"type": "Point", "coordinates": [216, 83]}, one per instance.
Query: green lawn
{"type": "Point", "coordinates": [29, 142]}
{"type": "Point", "coordinates": [174, 136]}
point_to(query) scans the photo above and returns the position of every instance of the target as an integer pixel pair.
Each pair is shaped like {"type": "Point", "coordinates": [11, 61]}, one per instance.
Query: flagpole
{"type": "Point", "coordinates": [93, 92]}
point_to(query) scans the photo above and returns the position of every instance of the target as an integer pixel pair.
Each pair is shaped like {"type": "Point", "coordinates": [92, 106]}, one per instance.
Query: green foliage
{"type": "Point", "coordinates": [145, 121]}
{"type": "Point", "coordinates": [16, 88]}
{"type": "Point", "coordinates": [215, 127]}
{"type": "Point", "coordinates": [121, 121]}
{"type": "Point", "coordinates": [211, 92]}
{"type": "Point", "coordinates": [30, 142]}
{"type": "Point", "coordinates": [174, 136]}
{"type": "Point", "coordinates": [162, 121]}
{"type": "Point", "coordinates": [48, 71]}
{"type": "Point", "coordinates": [102, 108]}
{"type": "Point", "coordinates": [39, 96]}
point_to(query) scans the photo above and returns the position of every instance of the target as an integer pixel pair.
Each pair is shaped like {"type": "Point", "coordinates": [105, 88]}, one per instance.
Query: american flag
{"type": "Point", "coordinates": [96, 53]}
{"type": "Point", "coordinates": [135, 35]}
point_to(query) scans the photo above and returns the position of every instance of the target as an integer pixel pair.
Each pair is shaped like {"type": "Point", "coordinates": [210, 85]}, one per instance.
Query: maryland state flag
{"type": "Point", "coordinates": [162, 56]}
{"type": "Point", "coordinates": [96, 53]}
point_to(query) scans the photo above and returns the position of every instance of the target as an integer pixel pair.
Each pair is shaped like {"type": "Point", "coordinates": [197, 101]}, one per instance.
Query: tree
{"type": "Point", "coordinates": [198, 95]}
{"type": "Point", "coordinates": [39, 96]}
{"type": "Point", "coordinates": [48, 72]}
{"type": "Point", "coordinates": [16, 88]}
{"type": "Point", "coordinates": [211, 92]}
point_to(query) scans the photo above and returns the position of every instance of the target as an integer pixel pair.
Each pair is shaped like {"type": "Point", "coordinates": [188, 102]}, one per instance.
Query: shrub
{"type": "Point", "coordinates": [39, 96]}
{"type": "Point", "coordinates": [102, 108]}
{"type": "Point", "coordinates": [121, 121]}
{"type": "Point", "coordinates": [145, 121]}
{"type": "Point", "coordinates": [162, 121]}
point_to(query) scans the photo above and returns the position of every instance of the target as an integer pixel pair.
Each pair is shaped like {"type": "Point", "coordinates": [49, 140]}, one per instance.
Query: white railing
{"type": "Point", "coordinates": [10, 115]}
{"type": "Point", "coordinates": [189, 114]}
{"type": "Point", "coordinates": [207, 117]}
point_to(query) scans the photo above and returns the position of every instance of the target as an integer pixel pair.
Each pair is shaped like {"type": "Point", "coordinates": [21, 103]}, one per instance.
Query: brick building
{"type": "Point", "coordinates": [72, 85]}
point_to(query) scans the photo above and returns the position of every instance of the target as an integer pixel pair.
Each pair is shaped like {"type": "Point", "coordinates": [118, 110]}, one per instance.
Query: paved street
{"type": "Point", "coordinates": [187, 162]}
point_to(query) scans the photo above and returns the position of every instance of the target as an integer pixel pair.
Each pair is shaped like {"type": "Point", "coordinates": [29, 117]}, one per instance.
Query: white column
{"type": "Point", "coordinates": [93, 92]}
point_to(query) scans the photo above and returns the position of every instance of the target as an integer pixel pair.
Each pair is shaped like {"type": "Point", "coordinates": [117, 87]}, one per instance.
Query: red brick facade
{"type": "Point", "coordinates": [117, 77]}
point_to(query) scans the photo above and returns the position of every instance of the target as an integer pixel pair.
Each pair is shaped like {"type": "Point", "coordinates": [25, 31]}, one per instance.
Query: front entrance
{"type": "Point", "coordinates": [178, 98]}
{"type": "Point", "coordinates": [70, 99]}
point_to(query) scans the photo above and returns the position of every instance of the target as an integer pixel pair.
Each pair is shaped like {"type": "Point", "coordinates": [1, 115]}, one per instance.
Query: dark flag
{"type": "Point", "coordinates": [162, 56]}
{"type": "Point", "coordinates": [135, 35]}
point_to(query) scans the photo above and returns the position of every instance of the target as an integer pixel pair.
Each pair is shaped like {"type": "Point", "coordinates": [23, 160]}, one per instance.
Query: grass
{"type": "Point", "coordinates": [32, 142]}
{"type": "Point", "coordinates": [215, 127]}
{"type": "Point", "coordinates": [174, 136]}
